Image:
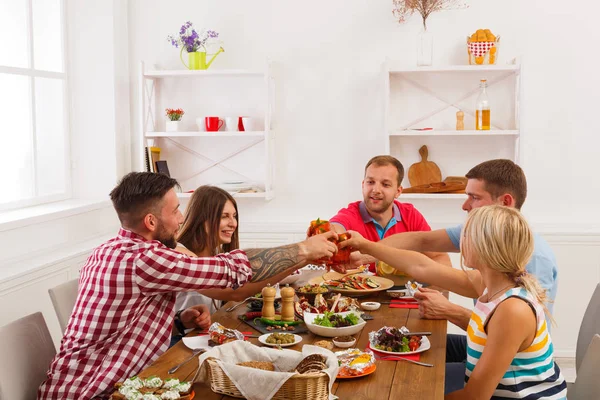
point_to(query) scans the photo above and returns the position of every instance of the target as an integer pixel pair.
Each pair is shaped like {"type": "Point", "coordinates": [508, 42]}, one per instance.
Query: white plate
{"type": "Point", "coordinates": [291, 278]}
{"type": "Point", "coordinates": [425, 345]}
{"type": "Point", "coordinates": [196, 342]}
{"type": "Point", "coordinates": [263, 340]}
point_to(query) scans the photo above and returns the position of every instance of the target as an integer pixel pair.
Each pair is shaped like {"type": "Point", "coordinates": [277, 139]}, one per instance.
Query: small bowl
{"type": "Point", "coordinates": [370, 305]}
{"type": "Point", "coordinates": [343, 345]}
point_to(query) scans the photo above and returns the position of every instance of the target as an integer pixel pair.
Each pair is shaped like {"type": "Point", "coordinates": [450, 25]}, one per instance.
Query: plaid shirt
{"type": "Point", "coordinates": [124, 311]}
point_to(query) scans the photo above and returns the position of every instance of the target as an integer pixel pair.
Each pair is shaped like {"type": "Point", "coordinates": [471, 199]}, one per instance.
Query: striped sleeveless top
{"type": "Point", "coordinates": [532, 374]}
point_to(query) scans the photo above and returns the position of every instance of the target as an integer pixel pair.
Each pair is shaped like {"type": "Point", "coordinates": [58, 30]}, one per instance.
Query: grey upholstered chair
{"type": "Point", "coordinates": [27, 350]}
{"type": "Point", "coordinates": [587, 384]}
{"type": "Point", "coordinates": [63, 299]}
{"type": "Point", "coordinates": [590, 325]}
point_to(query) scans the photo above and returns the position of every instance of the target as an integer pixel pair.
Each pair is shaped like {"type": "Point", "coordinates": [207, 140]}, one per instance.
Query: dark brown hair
{"type": "Point", "coordinates": [381, 161]}
{"type": "Point", "coordinates": [501, 177]}
{"type": "Point", "coordinates": [139, 194]}
{"type": "Point", "coordinates": [200, 229]}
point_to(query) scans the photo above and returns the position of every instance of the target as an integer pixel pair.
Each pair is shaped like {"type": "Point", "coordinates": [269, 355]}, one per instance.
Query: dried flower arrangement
{"type": "Point", "coordinates": [403, 9]}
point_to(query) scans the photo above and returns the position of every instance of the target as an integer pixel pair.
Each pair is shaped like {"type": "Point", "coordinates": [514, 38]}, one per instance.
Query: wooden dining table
{"type": "Point", "coordinates": [391, 380]}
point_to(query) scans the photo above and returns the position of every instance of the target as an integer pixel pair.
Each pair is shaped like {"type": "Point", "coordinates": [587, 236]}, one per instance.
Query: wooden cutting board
{"type": "Point", "coordinates": [437, 187]}
{"type": "Point", "coordinates": [424, 172]}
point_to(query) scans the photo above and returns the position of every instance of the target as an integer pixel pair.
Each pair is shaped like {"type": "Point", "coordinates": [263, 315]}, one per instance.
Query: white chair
{"type": "Point", "coordinates": [587, 384]}
{"type": "Point", "coordinates": [27, 350]}
{"type": "Point", "coordinates": [63, 299]}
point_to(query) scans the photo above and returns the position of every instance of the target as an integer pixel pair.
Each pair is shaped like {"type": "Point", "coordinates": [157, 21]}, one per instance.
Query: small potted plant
{"type": "Point", "coordinates": [174, 116]}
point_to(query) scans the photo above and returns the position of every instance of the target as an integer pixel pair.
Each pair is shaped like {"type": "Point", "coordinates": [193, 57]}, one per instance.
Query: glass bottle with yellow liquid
{"type": "Point", "coordinates": [482, 111]}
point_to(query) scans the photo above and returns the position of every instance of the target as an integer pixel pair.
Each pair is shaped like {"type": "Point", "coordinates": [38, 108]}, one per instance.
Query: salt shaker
{"type": "Point", "coordinates": [268, 308]}
{"type": "Point", "coordinates": [460, 123]}
{"type": "Point", "coordinates": [287, 303]}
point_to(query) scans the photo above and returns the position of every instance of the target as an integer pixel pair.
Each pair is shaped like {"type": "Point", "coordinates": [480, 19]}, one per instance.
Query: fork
{"type": "Point", "coordinates": [240, 303]}
{"type": "Point", "coordinates": [395, 358]}
{"type": "Point", "coordinates": [194, 354]}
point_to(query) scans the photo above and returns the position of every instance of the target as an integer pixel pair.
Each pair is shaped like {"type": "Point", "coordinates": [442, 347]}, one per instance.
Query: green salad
{"type": "Point", "coordinates": [332, 320]}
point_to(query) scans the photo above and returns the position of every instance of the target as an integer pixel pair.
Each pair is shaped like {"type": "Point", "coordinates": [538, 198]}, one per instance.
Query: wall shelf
{"type": "Point", "coordinates": [416, 196]}
{"type": "Point", "coordinates": [205, 134]}
{"type": "Point", "coordinates": [193, 157]}
{"type": "Point", "coordinates": [395, 67]}
{"type": "Point", "coordinates": [418, 97]}
{"type": "Point", "coordinates": [200, 73]}
{"type": "Point", "coordinates": [456, 133]}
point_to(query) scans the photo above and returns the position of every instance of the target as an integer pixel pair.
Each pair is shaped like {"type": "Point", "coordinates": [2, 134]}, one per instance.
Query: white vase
{"type": "Point", "coordinates": [172, 126]}
{"type": "Point", "coordinates": [424, 48]}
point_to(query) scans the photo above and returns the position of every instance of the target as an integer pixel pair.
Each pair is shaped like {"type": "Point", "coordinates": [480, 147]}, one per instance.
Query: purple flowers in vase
{"type": "Point", "coordinates": [190, 39]}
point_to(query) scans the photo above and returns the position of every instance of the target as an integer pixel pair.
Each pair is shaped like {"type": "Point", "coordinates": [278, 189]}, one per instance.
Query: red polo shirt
{"type": "Point", "coordinates": [406, 218]}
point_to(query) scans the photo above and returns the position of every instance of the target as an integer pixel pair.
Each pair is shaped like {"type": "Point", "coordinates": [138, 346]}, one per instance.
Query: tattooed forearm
{"type": "Point", "coordinates": [269, 262]}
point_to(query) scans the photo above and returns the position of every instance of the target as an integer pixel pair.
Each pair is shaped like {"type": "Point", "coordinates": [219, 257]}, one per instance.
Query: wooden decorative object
{"type": "Point", "coordinates": [460, 123]}
{"type": "Point", "coordinates": [424, 172]}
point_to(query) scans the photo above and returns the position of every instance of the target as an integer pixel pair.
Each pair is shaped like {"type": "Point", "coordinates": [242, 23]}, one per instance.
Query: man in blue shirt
{"type": "Point", "coordinates": [491, 182]}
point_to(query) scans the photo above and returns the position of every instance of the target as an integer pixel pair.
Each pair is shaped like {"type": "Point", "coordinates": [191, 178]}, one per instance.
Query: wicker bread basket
{"type": "Point", "coordinates": [314, 386]}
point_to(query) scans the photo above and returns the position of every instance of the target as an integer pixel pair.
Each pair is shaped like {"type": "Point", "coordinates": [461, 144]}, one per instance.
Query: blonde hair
{"type": "Point", "coordinates": [500, 238]}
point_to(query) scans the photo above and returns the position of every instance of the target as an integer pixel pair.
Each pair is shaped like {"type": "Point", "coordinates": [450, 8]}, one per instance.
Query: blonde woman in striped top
{"type": "Point", "coordinates": [510, 352]}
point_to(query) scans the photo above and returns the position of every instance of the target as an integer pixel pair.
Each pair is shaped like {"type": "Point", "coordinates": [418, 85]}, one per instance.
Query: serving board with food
{"type": "Point", "coordinates": [254, 319]}
{"type": "Point", "coordinates": [352, 284]}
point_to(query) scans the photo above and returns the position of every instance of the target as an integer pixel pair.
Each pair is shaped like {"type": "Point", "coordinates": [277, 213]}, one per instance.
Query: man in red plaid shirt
{"type": "Point", "coordinates": [125, 305]}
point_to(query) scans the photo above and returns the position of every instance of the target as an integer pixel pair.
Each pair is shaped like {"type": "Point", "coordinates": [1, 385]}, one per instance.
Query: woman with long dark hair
{"type": "Point", "coordinates": [211, 227]}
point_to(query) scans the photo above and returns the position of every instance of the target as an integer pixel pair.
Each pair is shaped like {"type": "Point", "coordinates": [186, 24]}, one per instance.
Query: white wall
{"type": "Point", "coordinates": [328, 57]}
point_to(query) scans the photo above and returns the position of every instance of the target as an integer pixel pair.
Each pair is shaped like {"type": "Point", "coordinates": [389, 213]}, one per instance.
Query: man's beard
{"type": "Point", "coordinates": [164, 237]}
{"type": "Point", "coordinates": [380, 208]}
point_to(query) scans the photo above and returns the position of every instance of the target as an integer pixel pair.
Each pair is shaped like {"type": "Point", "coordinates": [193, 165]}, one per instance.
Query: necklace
{"type": "Point", "coordinates": [504, 288]}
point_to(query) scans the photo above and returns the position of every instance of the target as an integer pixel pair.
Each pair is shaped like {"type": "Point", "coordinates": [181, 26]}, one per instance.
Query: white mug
{"type": "Point", "coordinates": [200, 124]}
{"type": "Point", "coordinates": [231, 124]}
{"type": "Point", "coordinates": [248, 124]}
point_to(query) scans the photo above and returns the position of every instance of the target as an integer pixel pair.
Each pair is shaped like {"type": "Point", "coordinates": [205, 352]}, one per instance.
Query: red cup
{"type": "Point", "coordinates": [213, 124]}
{"type": "Point", "coordinates": [240, 125]}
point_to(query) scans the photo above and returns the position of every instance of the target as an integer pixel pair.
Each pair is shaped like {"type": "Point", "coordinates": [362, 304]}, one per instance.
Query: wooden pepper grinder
{"type": "Point", "coordinates": [287, 303]}
{"type": "Point", "coordinates": [460, 123]}
{"type": "Point", "coordinates": [268, 308]}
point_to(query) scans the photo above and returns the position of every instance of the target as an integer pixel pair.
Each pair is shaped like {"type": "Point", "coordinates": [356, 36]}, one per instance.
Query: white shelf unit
{"type": "Point", "coordinates": [429, 97]}
{"type": "Point", "coordinates": [197, 157]}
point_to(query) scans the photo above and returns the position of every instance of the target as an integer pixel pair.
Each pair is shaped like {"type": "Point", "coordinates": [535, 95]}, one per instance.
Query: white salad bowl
{"type": "Point", "coordinates": [333, 332]}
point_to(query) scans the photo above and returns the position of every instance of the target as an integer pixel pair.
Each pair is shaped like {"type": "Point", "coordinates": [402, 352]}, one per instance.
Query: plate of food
{"type": "Point", "coordinates": [353, 284]}
{"type": "Point", "coordinates": [279, 339]}
{"type": "Point", "coordinates": [355, 363]}
{"type": "Point", "coordinates": [153, 388]}
{"type": "Point", "coordinates": [368, 371]}
{"type": "Point", "coordinates": [390, 340]}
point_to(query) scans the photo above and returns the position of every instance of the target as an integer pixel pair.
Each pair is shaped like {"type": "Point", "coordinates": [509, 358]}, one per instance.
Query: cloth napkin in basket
{"type": "Point", "coordinates": [256, 384]}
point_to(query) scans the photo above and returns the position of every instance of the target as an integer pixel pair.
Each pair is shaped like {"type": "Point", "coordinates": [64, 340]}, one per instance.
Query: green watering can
{"type": "Point", "coordinates": [197, 59]}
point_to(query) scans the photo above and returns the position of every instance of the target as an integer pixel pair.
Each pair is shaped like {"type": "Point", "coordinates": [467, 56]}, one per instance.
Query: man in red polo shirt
{"type": "Point", "coordinates": [380, 215]}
